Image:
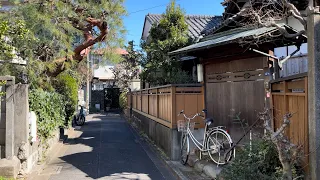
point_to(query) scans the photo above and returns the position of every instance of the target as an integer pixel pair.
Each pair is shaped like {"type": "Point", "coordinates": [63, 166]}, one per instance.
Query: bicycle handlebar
{"type": "Point", "coordinates": [190, 118]}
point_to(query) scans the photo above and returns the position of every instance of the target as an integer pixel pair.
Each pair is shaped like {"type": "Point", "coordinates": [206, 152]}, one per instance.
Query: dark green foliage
{"type": "Point", "coordinates": [15, 38]}
{"type": "Point", "coordinates": [46, 33]}
{"type": "Point", "coordinates": [14, 44]}
{"type": "Point", "coordinates": [50, 111]}
{"type": "Point", "coordinates": [68, 86]}
{"type": "Point", "coordinates": [170, 34]}
{"type": "Point", "coordinates": [261, 163]}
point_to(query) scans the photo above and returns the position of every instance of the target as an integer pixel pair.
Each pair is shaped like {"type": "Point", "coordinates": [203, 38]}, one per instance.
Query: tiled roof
{"type": "Point", "coordinates": [197, 24]}
{"type": "Point", "coordinates": [228, 37]}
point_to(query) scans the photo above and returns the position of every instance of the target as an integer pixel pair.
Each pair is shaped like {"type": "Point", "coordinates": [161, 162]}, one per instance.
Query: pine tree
{"type": "Point", "coordinates": [66, 30]}
{"type": "Point", "coordinates": [170, 34]}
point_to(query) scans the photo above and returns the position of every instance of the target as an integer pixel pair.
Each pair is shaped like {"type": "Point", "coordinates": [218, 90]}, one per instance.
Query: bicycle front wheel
{"type": "Point", "coordinates": [218, 143]}
{"type": "Point", "coordinates": [80, 121]}
{"type": "Point", "coordinates": [185, 148]}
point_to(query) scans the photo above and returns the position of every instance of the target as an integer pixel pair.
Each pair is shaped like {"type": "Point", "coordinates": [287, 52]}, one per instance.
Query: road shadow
{"type": "Point", "coordinates": [107, 149]}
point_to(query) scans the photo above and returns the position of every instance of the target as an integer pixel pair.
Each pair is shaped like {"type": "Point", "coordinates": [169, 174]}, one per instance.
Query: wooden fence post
{"type": "Point", "coordinates": [173, 106]}
{"type": "Point", "coordinates": [285, 90]}
{"type": "Point", "coordinates": [148, 95]}
{"type": "Point", "coordinates": [130, 103]}
{"type": "Point", "coordinates": [157, 101]}
{"type": "Point", "coordinates": [141, 101]}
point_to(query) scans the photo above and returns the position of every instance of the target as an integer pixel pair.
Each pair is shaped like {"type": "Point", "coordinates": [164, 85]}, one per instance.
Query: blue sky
{"type": "Point", "coordinates": [134, 21]}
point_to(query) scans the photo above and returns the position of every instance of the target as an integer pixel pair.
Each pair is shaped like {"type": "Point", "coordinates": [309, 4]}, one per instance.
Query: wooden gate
{"type": "Point", "coordinates": [289, 95]}
{"type": "Point", "coordinates": [235, 85]}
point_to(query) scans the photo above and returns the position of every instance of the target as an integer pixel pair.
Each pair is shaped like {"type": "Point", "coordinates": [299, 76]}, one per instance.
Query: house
{"type": "Point", "coordinates": [103, 78]}
{"type": "Point", "coordinates": [298, 62]}
{"type": "Point", "coordinates": [238, 64]}
{"type": "Point", "coordinates": [102, 69]}
{"type": "Point", "coordinates": [239, 71]}
{"type": "Point", "coordinates": [157, 107]}
{"type": "Point", "coordinates": [198, 25]}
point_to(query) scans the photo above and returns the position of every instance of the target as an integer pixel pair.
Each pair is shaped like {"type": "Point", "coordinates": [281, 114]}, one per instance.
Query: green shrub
{"type": "Point", "coordinates": [67, 86]}
{"type": "Point", "coordinates": [50, 110]}
{"type": "Point", "coordinates": [123, 101]}
{"type": "Point", "coordinates": [3, 178]}
{"type": "Point", "coordinates": [262, 162]}
{"type": "Point", "coordinates": [2, 83]}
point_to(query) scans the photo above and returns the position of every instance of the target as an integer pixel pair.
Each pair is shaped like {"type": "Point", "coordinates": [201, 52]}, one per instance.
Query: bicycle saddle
{"type": "Point", "coordinates": [209, 121]}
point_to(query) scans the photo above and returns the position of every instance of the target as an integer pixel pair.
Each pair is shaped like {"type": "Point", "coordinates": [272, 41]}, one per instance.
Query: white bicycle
{"type": "Point", "coordinates": [216, 141]}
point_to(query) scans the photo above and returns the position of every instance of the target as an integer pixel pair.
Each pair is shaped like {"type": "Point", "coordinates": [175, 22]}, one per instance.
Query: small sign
{"type": "Point", "coordinates": [268, 95]}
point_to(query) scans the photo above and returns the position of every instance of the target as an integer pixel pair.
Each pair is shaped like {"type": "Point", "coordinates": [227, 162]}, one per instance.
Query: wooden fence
{"type": "Point", "coordinates": [163, 104]}
{"type": "Point", "coordinates": [290, 95]}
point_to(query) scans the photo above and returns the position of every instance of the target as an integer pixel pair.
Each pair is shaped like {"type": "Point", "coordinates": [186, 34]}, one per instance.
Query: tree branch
{"type": "Point", "coordinates": [266, 13]}
{"type": "Point", "coordinates": [89, 41]}
{"type": "Point", "coordinates": [286, 122]}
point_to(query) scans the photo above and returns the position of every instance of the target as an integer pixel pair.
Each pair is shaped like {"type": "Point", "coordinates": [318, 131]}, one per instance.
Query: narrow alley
{"type": "Point", "coordinates": [106, 147]}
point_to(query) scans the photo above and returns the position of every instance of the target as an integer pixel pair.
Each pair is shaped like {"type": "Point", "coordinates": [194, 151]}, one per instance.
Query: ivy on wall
{"type": "Point", "coordinates": [50, 110]}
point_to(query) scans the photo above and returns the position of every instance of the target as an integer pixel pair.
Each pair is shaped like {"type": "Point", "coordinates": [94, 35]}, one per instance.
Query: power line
{"type": "Point", "coordinates": [149, 8]}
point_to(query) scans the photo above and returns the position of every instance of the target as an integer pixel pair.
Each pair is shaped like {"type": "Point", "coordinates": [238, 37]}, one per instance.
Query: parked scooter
{"type": "Point", "coordinates": [81, 118]}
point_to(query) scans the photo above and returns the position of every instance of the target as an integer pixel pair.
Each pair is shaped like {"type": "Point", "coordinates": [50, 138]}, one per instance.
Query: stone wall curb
{"type": "Point", "coordinates": [208, 168]}
{"type": "Point", "coordinates": [167, 163]}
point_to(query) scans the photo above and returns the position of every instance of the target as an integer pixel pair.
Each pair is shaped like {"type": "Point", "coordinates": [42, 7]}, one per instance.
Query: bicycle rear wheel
{"type": "Point", "coordinates": [218, 143]}
{"type": "Point", "coordinates": [185, 148]}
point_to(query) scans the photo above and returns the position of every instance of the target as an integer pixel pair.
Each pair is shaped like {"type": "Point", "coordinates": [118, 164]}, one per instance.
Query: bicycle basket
{"type": "Point", "coordinates": [181, 124]}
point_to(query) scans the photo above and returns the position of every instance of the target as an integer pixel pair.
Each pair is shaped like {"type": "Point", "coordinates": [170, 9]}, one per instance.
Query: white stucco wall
{"type": "Point", "coordinates": [135, 85]}
{"type": "Point", "coordinates": [103, 72]}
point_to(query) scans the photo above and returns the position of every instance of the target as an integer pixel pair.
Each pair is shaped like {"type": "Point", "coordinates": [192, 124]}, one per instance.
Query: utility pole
{"type": "Point", "coordinates": [314, 91]}
{"type": "Point", "coordinates": [88, 82]}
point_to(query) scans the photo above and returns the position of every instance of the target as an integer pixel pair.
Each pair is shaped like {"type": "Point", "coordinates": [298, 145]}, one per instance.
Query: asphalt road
{"type": "Point", "coordinates": [106, 148]}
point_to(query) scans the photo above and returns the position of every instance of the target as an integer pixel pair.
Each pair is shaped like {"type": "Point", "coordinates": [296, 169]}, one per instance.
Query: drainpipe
{"type": "Point", "coordinates": [263, 53]}
{"type": "Point", "coordinates": [289, 56]}
{"type": "Point", "coordinates": [281, 61]}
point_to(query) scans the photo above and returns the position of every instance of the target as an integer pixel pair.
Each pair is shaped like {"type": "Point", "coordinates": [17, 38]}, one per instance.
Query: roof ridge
{"type": "Point", "coordinates": [150, 14]}
{"type": "Point", "coordinates": [200, 16]}
{"type": "Point", "coordinates": [190, 15]}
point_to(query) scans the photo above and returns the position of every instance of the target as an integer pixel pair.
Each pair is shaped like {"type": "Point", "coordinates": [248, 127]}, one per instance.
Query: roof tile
{"type": "Point", "coordinates": [197, 24]}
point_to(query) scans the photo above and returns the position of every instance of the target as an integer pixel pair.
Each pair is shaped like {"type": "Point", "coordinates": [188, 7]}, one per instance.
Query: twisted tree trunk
{"type": "Point", "coordinates": [90, 40]}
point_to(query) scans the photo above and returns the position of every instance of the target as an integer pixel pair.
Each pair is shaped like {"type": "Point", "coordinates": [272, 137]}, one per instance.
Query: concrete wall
{"type": "Point", "coordinates": [21, 115]}
{"type": "Point", "coordinates": [135, 85]}
{"type": "Point", "coordinates": [2, 119]}
{"type": "Point", "coordinates": [36, 152]}
{"type": "Point", "coordinates": [15, 146]}
{"type": "Point", "coordinates": [165, 138]}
